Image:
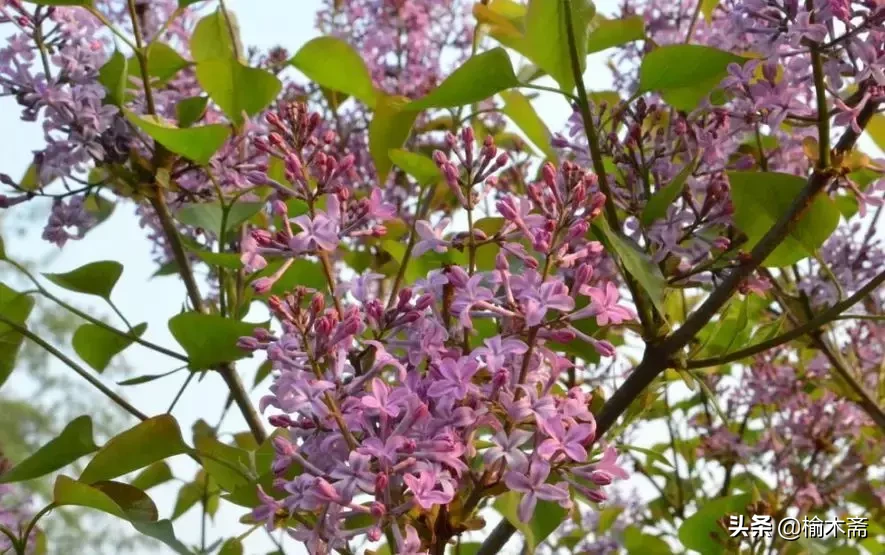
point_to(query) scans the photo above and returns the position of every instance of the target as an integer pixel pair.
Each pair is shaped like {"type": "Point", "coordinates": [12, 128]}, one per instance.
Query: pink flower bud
{"type": "Point", "coordinates": [562, 335]}
{"type": "Point", "coordinates": [262, 285]}
{"type": "Point", "coordinates": [424, 301]}
{"type": "Point", "coordinates": [381, 482]}
{"type": "Point", "coordinates": [377, 509]}
{"type": "Point", "coordinates": [248, 343]}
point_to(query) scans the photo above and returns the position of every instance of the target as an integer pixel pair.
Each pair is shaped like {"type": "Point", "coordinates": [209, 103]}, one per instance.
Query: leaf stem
{"type": "Point", "coordinates": [821, 319]}
{"type": "Point", "coordinates": [76, 368]}
{"type": "Point", "coordinates": [33, 523]}
{"type": "Point", "coordinates": [231, 378]}
{"type": "Point", "coordinates": [41, 290]}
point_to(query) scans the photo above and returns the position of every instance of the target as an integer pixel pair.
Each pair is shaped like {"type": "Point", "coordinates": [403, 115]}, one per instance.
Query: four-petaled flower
{"type": "Point", "coordinates": [431, 237]}
{"type": "Point", "coordinates": [455, 379]}
{"type": "Point", "coordinates": [604, 305]}
{"type": "Point", "coordinates": [551, 295]}
{"type": "Point", "coordinates": [559, 440]}
{"type": "Point", "coordinates": [317, 233]}
{"type": "Point", "coordinates": [423, 487]}
{"type": "Point", "coordinates": [533, 486]}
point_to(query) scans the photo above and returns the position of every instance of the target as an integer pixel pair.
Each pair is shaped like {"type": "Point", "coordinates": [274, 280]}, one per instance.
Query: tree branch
{"type": "Point", "coordinates": [85, 374]}
{"type": "Point", "coordinates": [832, 313]}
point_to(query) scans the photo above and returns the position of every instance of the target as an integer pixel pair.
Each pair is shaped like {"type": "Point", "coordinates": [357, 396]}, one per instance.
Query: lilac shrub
{"type": "Point", "coordinates": [471, 314]}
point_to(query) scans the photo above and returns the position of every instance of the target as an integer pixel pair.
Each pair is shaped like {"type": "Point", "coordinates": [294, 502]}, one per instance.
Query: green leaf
{"type": "Point", "coordinates": [120, 500]}
{"type": "Point", "coordinates": [162, 530]}
{"type": "Point", "coordinates": [638, 264]}
{"type": "Point", "coordinates": [148, 442]}
{"type": "Point", "coordinates": [650, 455]}
{"type": "Point", "coordinates": [518, 108]}
{"type": "Point", "coordinates": [684, 74]}
{"type": "Point", "coordinates": [219, 460]}
{"type": "Point", "coordinates": [657, 205]}
{"type": "Point", "coordinates": [68, 491]}
{"type": "Point", "coordinates": [209, 339]}
{"type": "Point", "coordinates": [237, 88]}
{"type": "Point", "coordinates": [16, 308]}
{"type": "Point", "coordinates": [2, 250]}
{"type": "Point", "coordinates": [761, 198]}
{"type": "Point", "coordinates": [147, 378]}
{"type": "Point", "coordinates": [209, 216]}
{"type": "Point", "coordinates": [547, 518]}
{"type": "Point", "coordinates": [702, 532]}
{"type": "Point", "coordinates": [228, 260]}
{"type": "Point", "coordinates": [114, 76]}
{"type": "Point", "coordinates": [232, 546]}
{"type": "Point", "coordinates": [190, 110]}
{"type": "Point", "coordinates": [72, 443]}
{"type": "Point", "coordinates": [155, 474]}
{"type": "Point", "coordinates": [99, 207]}
{"type": "Point", "coordinates": [420, 167]}
{"type": "Point", "coordinates": [195, 143]}
{"type": "Point", "coordinates": [707, 8]}
{"type": "Point", "coordinates": [608, 33]}
{"type": "Point", "coordinates": [478, 78]}
{"type": "Point", "coordinates": [301, 272]}
{"type": "Point", "coordinates": [212, 38]}
{"type": "Point", "coordinates": [335, 65]}
{"type": "Point", "coordinates": [638, 543]}
{"type": "Point", "coordinates": [97, 346]}
{"type": "Point", "coordinates": [135, 503]}
{"type": "Point", "coordinates": [389, 129]}
{"type": "Point", "coordinates": [163, 63]}
{"type": "Point", "coordinates": [545, 40]}
{"type": "Point", "coordinates": [96, 278]}
{"type": "Point", "coordinates": [876, 130]}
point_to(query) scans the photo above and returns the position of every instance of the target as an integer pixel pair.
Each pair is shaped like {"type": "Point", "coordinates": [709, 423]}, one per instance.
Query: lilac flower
{"type": "Point", "coordinates": [508, 447]}
{"type": "Point", "coordinates": [496, 351]}
{"type": "Point", "coordinates": [65, 216]}
{"type": "Point", "coordinates": [454, 380]}
{"type": "Point", "coordinates": [424, 489]}
{"type": "Point", "coordinates": [551, 295]}
{"type": "Point", "coordinates": [569, 442]}
{"type": "Point", "coordinates": [378, 207]}
{"type": "Point", "coordinates": [533, 486]}
{"type": "Point", "coordinates": [470, 293]}
{"type": "Point", "coordinates": [412, 543]}
{"type": "Point", "coordinates": [604, 305]}
{"type": "Point", "coordinates": [355, 475]}
{"type": "Point", "coordinates": [380, 401]}
{"type": "Point", "coordinates": [268, 510]}
{"type": "Point", "coordinates": [431, 237]}
{"type": "Point", "coordinates": [385, 451]}
{"type": "Point", "coordinates": [318, 233]}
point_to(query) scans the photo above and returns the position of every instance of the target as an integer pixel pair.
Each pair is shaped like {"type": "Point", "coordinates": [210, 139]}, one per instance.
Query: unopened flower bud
{"type": "Point", "coordinates": [248, 343]}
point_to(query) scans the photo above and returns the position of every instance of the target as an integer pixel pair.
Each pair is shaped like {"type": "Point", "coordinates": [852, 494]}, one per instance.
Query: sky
{"type": "Point", "coordinates": [276, 22]}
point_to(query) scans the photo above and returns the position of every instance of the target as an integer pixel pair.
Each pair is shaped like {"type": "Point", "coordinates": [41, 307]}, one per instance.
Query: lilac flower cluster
{"type": "Point", "coordinates": [766, 121]}
{"type": "Point", "coordinates": [13, 512]}
{"type": "Point", "coordinates": [395, 406]}
{"type": "Point", "coordinates": [406, 44]}
{"type": "Point", "coordinates": [50, 66]}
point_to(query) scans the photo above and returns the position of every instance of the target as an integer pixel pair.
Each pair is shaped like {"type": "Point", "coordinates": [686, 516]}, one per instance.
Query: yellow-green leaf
{"type": "Point", "coordinates": [195, 143]}
{"type": "Point", "coordinates": [389, 129]}
{"type": "Point", "coordinates": [150, 441]}
{"type": "Point", "coordinates": [518, 108]}
{"type": "Point", "coordinates": [335, 65]}
{"type": "Point", "coordinates": [72, 443]}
